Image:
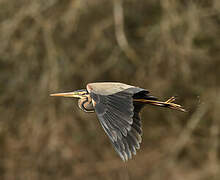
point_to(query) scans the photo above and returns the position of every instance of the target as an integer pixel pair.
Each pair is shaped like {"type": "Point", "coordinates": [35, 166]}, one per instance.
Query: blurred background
{"type": "Point", "coordinates": [171, 47]}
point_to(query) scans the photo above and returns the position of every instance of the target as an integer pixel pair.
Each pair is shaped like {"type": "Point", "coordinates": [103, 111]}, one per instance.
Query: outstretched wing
{"type": "Point", "coordinates": [119, 117]}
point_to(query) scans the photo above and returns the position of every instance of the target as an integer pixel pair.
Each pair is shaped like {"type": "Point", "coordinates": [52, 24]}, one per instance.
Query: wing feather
{"type": "Point", "coordinates": [124, 127]}
{"type": "Point", "coordinates": [120, 120]}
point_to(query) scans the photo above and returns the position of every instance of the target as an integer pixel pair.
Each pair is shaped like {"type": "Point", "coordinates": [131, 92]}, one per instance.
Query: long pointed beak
{"type": "Point", "coordinates": [68, 94]}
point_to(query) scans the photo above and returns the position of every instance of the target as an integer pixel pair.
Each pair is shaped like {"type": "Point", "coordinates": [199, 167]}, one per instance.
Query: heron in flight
{"type": "Point", "coordinates": [117, 107]}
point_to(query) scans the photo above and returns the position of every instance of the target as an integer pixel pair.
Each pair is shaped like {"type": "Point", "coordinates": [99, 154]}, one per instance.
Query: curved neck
{"type": "Point", "coordinates": [85, 104]}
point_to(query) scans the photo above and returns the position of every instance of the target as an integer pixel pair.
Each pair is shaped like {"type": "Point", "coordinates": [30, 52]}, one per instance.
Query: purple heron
{"type": "Point", "coordinates": [117, 106]}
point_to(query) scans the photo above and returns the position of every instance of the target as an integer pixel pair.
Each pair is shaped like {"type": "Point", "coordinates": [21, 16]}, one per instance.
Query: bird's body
{"type": "Point", "coordinates": [117, 106]}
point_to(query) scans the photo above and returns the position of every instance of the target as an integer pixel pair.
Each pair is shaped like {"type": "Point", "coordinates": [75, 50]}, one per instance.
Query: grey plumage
{"type": "Point", "coordinates": [118, 106]}
{"type": "Point", "coordinates": [115, 113]}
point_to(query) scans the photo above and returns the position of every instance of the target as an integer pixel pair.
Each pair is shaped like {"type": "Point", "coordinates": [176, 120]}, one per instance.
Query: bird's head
{"type": "Point", "coordinates": [82, 93]}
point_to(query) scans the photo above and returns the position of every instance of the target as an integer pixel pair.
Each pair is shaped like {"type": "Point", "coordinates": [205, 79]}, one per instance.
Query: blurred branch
{"type": "Point", "coordinates": [168, 161]}
{"type": "Point", "coordinates": [72, 15]}
{"type": "Point", "coordinates": [48, 43]}
{"type": "Point", "coordinates": [92, 43]}
{"type": "Point", "coordinates": [120, 33]}
{"type": "Point", "coordinates": [106, 65]}
{"type": "Point", "coordinates": [213, 164]}
{"type": "Point", "coordinates": [9, 26]}
{"type": "Point", "coordinates": [188, 130]}
{"type": "Point", "coordinates": [52, 56]}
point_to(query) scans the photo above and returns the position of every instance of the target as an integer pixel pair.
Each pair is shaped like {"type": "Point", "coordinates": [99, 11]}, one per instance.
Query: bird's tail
{"type": "Point", "coordinates": [169, 103]}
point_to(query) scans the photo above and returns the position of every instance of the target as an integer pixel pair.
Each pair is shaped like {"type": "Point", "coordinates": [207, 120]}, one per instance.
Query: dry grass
{"type": "Point", "coordinates": [171, 47]}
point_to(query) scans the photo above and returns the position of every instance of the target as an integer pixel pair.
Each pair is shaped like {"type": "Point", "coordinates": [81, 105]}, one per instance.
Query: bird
{"type": "Point", "coordinates": [117, 106]}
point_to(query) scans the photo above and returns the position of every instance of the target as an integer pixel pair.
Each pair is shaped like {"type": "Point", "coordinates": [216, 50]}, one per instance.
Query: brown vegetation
{"type": "Point", "coordinates": [171, 47]}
